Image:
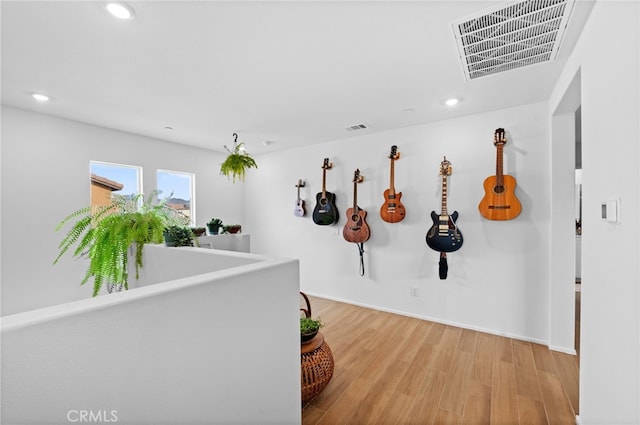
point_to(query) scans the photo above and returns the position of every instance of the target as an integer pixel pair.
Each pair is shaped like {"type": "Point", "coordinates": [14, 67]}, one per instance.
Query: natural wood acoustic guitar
{"type": "Point", "coordinates": [356, 229]}
{"type": "Point", "coordinates": [500, 201]}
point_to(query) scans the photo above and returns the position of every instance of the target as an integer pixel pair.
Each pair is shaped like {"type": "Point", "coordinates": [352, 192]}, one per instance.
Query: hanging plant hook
{"type": "Point", "coordinates": [235, 144]}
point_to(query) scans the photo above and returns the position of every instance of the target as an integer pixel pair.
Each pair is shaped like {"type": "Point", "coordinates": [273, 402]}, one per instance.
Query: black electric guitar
{"type": "Point", "coordinates": [392, 211]}
{"type": "Point", "coordinates": [299, 210]}
{"type": "Point", "coordinates": [356, 229]}
{"type": "Point", "coordinates": [325, 211]}
{"type": "Point", "coordinates": [444, 235]}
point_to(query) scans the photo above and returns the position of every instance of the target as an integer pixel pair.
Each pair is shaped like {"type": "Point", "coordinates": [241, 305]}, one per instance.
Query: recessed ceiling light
{"type": "Point", "coordinates": [452, 102]}
{"type": "Point", "coordinates": [120, 10]}
{"type": "Point", "coordinates": [40, 97]}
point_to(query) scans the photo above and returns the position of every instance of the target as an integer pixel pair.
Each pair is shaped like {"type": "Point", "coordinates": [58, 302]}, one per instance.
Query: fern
{"type": "Point", "coordinates": [104, 235]}
{"type": "Point", "coordinates": [237, 163]}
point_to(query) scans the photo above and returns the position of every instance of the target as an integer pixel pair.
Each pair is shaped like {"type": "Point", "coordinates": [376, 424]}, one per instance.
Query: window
{"type": "Point", "coordinates": [109, 179]}
{"type": "Point", "coordinates": [178, 189]}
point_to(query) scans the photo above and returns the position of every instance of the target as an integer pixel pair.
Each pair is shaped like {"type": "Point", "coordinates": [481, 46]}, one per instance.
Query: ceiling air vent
{"type": "Point", "coordinates": [511, 36]}
{"type": "Point", "coordinates": [356, 127]}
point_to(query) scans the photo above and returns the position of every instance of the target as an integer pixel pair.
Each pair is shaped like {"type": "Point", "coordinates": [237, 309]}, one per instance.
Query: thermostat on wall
{"type": "Point", "coordinates": [611, 211]}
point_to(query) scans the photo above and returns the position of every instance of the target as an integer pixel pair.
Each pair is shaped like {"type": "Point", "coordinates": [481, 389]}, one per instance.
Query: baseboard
{"type": "Point", "coordinates": [444, 322]}
{"type": "Point", "coordinates": [565, 350]}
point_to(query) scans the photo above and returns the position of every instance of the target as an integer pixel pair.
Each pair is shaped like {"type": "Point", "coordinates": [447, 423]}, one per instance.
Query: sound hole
{"type": "Point", "coordinates": [323, 201]}
{"type": "Point", "coordinates": [498, 190]}
{"type": "Point", "coordinates": [355, 217]}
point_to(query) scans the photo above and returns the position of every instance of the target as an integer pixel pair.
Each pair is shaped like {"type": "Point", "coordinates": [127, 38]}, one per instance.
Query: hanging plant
{"type": "Point", "coordinates": [238, 161]}
{"type": "Point", "coordinates": [104, 235]}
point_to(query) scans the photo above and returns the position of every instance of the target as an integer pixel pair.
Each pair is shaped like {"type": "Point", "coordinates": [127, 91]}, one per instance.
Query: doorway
{"type": "Point", "coordinates": [564, 251]}
{"type": "Point", "coordinates": [578, 215]}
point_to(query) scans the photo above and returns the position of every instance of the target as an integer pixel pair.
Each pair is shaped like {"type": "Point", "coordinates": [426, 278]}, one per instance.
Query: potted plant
{"type": "Point", "coordinates": [178, 236]}
{"type": "Point", "coordinates": [198, 231]}
{"type": "Point", "coordinates": [214, 225]}
{"type": "Point", "coordinates": [104, 234]}
{"type": "Point", "coordinates": [231, 228]}
{"type": "Point", "coordinates": [238, 161]}
{"type": "Point", "coordinates": [309, 328]}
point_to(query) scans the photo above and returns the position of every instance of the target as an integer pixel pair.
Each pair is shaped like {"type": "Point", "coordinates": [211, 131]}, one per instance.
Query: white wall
{"type": "Point", "coordinates": [607, 59]}
{"type": "Point", "coordinates": [200, 349]}
{"type": "Point", "coordinates": [45, 169]}
{"type": "Point", "coordinates": [498, 280]}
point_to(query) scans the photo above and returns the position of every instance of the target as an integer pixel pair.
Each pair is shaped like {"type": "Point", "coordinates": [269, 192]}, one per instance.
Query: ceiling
{"type": "Point", "coordinates": [291, 73]}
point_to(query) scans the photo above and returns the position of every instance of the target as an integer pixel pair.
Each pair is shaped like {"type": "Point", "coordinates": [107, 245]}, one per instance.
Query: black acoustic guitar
{"type": "Point", "coordinates": [325, 211]}
{"type": "Point", "coordinates": [444, 235]}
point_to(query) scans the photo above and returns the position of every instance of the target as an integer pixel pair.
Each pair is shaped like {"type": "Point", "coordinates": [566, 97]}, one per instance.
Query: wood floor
{"type": "Point", "coordinates": [391, 369]}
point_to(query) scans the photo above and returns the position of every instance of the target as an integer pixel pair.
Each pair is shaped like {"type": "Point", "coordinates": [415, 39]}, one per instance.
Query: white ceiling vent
{"type": "Point", "coordinates": [511, 36]}
{"type": "Point", "coordinates": [356, 127]}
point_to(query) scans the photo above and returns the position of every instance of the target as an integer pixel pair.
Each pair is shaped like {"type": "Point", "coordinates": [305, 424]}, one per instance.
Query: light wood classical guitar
{"type": "Point", "coordinates": [325, 211]}
{"type": "Point", "coordinates": [392, 211]}
{"type": "Point", "coordinates": [444, 235]}
{"type": "Point", "coordinates": [299, 210]}
{"type": "Point", "coordinates": [356, 230]}
{"type": "Point", "coordinates": [499, 202]}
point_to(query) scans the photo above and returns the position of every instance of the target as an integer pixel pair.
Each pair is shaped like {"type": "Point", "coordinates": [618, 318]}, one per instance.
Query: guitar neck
{"type": "Point", "coordinates": [444, 195]}
{"type": "Point", "coordinates": [355, 196]}
{"type": "Point", "coordinates": [324, 181]}
{"type": "Point", "coordinates": [392, 189]}
{"type": "Point", "coordinates": [499, 172]}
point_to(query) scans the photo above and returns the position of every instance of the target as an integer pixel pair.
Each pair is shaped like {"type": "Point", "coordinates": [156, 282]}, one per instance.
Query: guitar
{"type": "Point", "coordinates": [299, 210]}
{"type": "Point", "coordinates": [325, 211]}
{"type": "Point", "coordinates": [444, 235]}
{"type": "Point", "coordinates": [356, 230]}
{"type": "Point", "coordinates": [499, 202]}
{"type": "Point", "coordinates": [392, 211]}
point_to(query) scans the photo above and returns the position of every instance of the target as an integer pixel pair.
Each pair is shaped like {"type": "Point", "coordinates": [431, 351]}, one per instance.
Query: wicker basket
{"type": "Point", "coordinates": [316, 367]}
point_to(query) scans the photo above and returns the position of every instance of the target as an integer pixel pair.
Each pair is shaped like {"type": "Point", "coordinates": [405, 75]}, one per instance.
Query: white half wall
{"type": "Point", "coordinates": [217, 344]}
{"type": "Point", "coordinates": [607, 59]}
{"type": "Point", "coordinates": [498, 281]}
{"type": "Point", "coordinates": [45, 176]}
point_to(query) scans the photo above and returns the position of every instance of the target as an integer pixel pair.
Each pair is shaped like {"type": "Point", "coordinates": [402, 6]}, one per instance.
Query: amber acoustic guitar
{"type": "Point", "coordinates": [499, 202]}
{"type": "Point", "coordinates": [392, 211]}
{"type": "Point", "coordinates": [356, 230]}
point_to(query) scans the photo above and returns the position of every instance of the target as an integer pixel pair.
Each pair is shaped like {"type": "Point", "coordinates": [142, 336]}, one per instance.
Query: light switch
{"type": "Point", "coordinates": [611, 211]}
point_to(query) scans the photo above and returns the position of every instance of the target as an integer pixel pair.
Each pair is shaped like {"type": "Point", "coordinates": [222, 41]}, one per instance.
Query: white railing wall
{"type": "Point", "coordinates": [220, 346]}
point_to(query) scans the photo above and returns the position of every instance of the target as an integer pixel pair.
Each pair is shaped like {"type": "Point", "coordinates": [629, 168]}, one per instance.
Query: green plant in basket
{"type": "Point", "coordinates": [238, 161]}
{"type": "Point", "coordinates": [103, 234]}
{"type": "Point", "coordinates": [309, 328]}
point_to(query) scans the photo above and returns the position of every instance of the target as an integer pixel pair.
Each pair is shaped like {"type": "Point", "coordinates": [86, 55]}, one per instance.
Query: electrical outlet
{"type": "Point", "coordinates": [413, 291]}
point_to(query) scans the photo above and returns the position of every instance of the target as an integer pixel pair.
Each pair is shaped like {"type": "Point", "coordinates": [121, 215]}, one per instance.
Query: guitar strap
{"type": "Point", "coordinates": [444, 268]}
{"type": "Point", "coordinates": [361, 251]}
